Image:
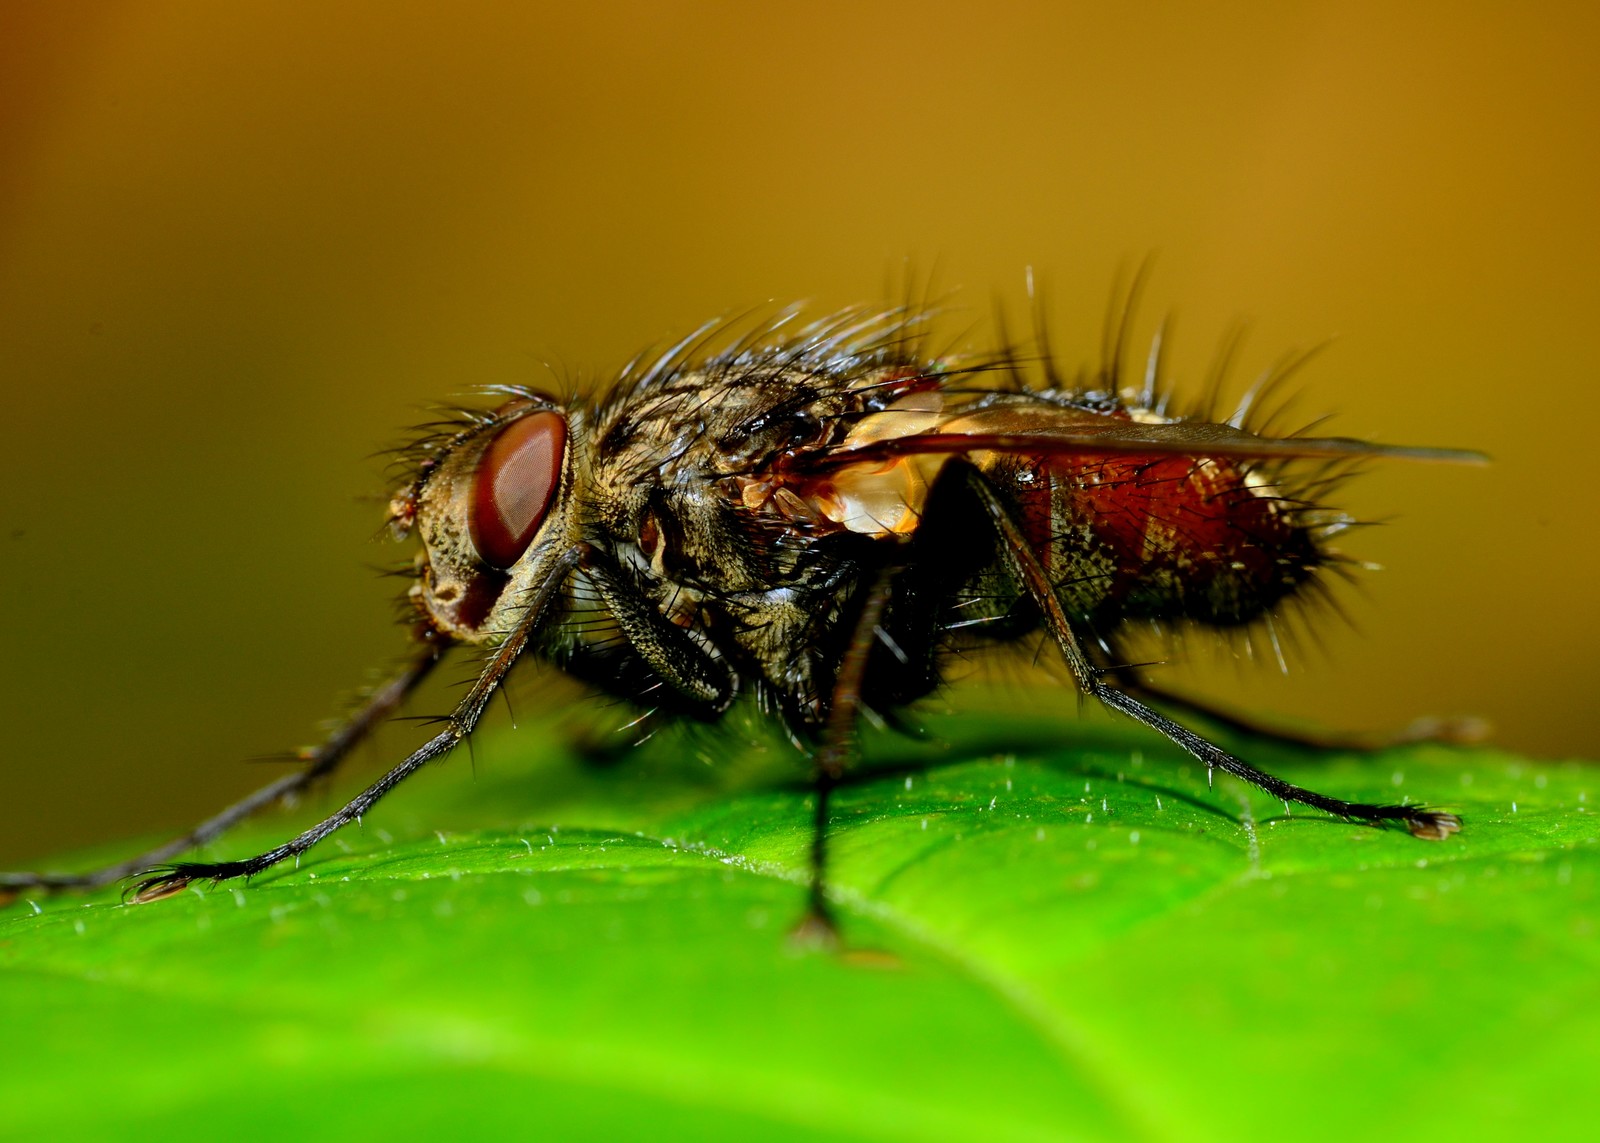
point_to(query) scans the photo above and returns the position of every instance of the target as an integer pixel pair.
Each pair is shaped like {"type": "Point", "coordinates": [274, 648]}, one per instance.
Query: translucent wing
{"type": "Point", "coordinates": [1040, 429]}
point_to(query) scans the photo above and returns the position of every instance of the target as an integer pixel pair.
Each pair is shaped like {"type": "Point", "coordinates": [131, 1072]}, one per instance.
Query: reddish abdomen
{"type": "Point", "coordinates": [1164, 537]}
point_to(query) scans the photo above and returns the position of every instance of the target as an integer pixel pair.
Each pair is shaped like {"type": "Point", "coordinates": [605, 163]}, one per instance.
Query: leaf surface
{"type": "Point", "coordinates": [1052, 932]}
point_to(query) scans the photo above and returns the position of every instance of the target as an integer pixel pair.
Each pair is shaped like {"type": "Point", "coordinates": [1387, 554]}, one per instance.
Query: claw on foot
{"type": "Point", "coordinates": [815, 932]}
{"type": "Point", "coordinates": [158, 887]}
{"type": "Point", "coordinates": [1433, 826]}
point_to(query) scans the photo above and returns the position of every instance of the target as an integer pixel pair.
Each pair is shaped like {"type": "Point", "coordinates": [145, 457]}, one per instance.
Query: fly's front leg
{"type": "Point", "coordinates": [835, 755]}
{"type": "Point", "coordinates": [320, 761]}
{"type": "Point", "coordinates": [163, 882]}
{"type": "Point", "coordinates": [1424, 823]}
{"type": "Point", "coordinates": [687, 664]}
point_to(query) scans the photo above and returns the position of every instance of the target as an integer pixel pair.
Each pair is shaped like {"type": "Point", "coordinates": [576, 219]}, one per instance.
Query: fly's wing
{"type": "Point", "coordinates": [876, 481]}
{"type": "Point", "coordinates": [1042, 429]}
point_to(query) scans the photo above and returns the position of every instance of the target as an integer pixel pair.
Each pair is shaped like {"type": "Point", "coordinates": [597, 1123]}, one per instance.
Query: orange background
{"type": "Point", "coordinates": [241, 244]}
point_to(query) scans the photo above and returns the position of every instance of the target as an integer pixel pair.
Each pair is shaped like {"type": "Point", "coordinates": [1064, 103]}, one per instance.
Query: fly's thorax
{"type": "Point", "coordinates": [650, 496]}
{"type": "Point", "coordinates": [660, 518]}
{"type": "Point", "coordinates": [696, 471]}
{"type": "Point", "coordinates": [697, 498]}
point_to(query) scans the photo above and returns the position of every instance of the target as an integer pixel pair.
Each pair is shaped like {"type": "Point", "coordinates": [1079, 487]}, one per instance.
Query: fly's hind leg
{"type": "Point", "coordinates": [1432, 825]}
{"type": "Point", "coordinates": [1452, 731]}
{"type": "Point", "coordinates": [320, 761]}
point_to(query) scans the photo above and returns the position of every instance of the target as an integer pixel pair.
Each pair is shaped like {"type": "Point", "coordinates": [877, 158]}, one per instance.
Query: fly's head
{"type": "Point", "coordinates": [490, 503]}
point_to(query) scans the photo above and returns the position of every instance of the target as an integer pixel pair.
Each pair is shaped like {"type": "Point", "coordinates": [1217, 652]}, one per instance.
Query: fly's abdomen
{"type": "Point", "coordinates": [1164, 537]}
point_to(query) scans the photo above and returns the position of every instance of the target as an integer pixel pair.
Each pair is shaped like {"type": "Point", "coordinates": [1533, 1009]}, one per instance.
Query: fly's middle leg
{"type": "Point", "coordinates": [835, 756]}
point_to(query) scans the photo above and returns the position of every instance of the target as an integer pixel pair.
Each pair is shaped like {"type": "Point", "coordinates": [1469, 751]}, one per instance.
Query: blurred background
{"type": "Point", "coordinates": [243, 246]}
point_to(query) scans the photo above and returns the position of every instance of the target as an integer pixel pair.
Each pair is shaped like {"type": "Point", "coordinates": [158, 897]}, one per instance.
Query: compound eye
{"type": "Point", "coordinates": [515, 483]}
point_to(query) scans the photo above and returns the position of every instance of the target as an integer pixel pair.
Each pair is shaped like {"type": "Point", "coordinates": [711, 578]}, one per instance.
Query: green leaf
{"type": "Point", "coordinates": [1052, 931]}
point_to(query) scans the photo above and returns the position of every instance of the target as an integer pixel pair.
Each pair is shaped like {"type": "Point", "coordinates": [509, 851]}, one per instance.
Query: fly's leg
{"type": "Point", "coordinates": [1431, 825]}
{"type": "Point", "coordinates": [163, 882]}
{"type": "Point", "coordinates": [320, 760]}
{"type": "Point", "coordinates": [834, 756]}
{"type": "Point", "coordinates": [1424, 823]}
{"type": "Point", "coordinates": [1453, 731]}
{"type": "Point", "coordinates": [700, 679]}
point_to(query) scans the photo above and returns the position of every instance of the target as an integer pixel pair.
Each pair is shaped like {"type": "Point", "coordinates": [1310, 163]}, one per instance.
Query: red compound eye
{"type": "Point", "coordinates": [516, 481]}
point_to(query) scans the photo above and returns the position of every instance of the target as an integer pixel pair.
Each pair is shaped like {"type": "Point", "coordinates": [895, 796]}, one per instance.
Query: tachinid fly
{"type": "Point", "coordinates": [817, 515]}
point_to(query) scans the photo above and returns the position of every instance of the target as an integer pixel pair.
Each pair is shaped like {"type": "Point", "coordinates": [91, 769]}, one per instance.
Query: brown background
{"type": "Point", "coordinates": [241, 244]}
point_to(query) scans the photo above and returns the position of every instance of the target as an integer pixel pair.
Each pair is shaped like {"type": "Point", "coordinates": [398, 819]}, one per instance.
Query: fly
{"type": "Point", "coordinates": [817, 517]}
